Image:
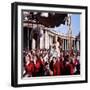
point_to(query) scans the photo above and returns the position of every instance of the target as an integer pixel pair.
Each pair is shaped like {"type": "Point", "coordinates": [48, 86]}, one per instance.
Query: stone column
{"type": "Point", "coordinates": [77, 45]}
{"type": "Point", "coordinates": [33, 44]}
{"type": "Point", "coordinates": [65, 43]}
{"type": "Point", "coordinates": [74, 45]}
{"type": "Point", "coordinates": [56, 37]}
{"type": "Point", "coordinates": [42, 40]}
{"type": "Point", "coordinates": [46, 39]}
{"type": "Point", "coordinates": [50, 40]}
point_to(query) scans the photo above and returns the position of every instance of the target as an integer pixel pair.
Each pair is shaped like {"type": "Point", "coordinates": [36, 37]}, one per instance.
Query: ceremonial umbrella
{"type": "Point", "coordinates": [48, 19]}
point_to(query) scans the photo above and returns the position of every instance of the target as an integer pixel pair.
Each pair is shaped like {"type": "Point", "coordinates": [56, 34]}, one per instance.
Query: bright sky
{"type": "Point", "coordinates": [75, 21]}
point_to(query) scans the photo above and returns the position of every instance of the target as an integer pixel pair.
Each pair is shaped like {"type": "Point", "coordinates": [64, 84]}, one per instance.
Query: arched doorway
{"type": "Point", "coordinates": [27, 40]}
{"type": "Point", "coordinates": [27, 35]}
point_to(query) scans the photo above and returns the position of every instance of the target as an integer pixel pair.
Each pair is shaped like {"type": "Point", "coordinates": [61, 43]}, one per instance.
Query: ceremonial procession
{"type": "Point", "coordinates": [46, 51]}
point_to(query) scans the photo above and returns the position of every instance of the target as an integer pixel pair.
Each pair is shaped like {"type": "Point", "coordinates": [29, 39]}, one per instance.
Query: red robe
{"type": "Point", "coordinates": [76, 62]}
{"type": "Point", "coordinates": [69, 69]}
{"type": "Point", "coordinates": [30, 68]}
{"type": "Point", "coordinates": [62, 69]}
{"type": "Point", "coordinates": [39, 65]}
{"type": "Point", "coordinates": [71, 52]}
{"type": "Point", "coordinates": [56, 68]}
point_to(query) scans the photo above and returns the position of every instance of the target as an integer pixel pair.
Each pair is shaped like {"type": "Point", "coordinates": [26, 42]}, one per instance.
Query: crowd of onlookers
{"type": "Point", "coordinates": [43, 62]}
